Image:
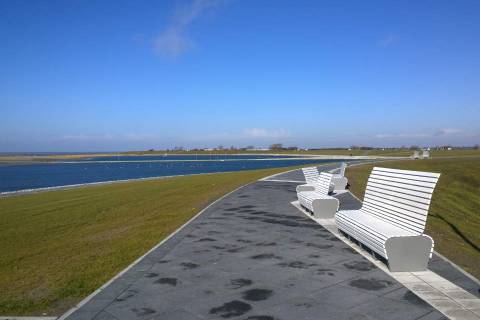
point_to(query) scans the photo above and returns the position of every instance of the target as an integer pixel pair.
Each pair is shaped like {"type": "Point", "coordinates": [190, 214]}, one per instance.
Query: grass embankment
{"type": "Point", "coordinates": [59, 246]}
{"type": "Point", "coordinates": [454, 216]}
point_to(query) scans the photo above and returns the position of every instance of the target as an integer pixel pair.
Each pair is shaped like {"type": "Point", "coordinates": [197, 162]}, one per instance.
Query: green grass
{"type": "Point", "coordinates": [59, 246]}
{"type": "Point", "coordinates": [454, 216]}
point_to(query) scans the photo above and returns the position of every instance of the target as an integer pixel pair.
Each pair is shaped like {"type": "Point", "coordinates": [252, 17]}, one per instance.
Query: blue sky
{"type": "Point", "coordinates": [122, 75]}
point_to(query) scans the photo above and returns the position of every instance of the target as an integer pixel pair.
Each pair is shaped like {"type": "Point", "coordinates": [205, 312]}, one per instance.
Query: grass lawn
{"type": "Point", "coordinates": [59, 246]}
{"type": "Point", "coordinates": [454, 216]}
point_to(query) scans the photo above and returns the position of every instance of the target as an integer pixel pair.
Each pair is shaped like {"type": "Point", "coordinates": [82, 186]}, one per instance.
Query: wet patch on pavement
{"type": "Point", "coordinates": [257, 294]}
{"type": "Point", "coordinates": [231, 309]}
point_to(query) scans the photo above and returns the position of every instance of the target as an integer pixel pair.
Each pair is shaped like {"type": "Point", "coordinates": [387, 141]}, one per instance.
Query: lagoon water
{"type": "Point", "coordinates": [15, 177]}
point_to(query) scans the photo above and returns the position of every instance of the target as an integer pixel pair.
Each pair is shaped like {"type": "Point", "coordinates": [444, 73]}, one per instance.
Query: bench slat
{"type": "Point", "coordinates": [389, 191]}
{"type": "Point", "coordinates": [404, 222]}
{"type": "Point", "coordinates": [395, 203]}
{"type": "Point", "coordinates": [403, 181]}
{"type": "Point", "coordinates": [415, 193]}
{"type": "Point", "coordinates": [311, 174]}
{"type": "Point", "coordinates": [401, 185]}
{"type": "Point", "coordinates": [416, 173]}
{"type": "Point", "coordinates": [405, 176]}
{"type": "Point", "coordinates": [323, 183]}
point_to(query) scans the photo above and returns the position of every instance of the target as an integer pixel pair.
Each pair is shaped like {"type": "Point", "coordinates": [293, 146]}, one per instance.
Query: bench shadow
{"type": "Point", "coordinates": [458, 232]}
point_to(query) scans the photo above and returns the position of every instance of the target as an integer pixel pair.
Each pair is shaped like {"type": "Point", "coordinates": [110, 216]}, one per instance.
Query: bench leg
{"type": "Point", "coordinates": [325, 208]}
{"type": "Point", "coordinates": [339, 183]}
{"type": "Point", "coordinates": [408, 253]}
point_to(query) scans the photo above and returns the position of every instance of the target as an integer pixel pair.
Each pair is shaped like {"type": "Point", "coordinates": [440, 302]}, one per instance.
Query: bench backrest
{"type": "Point", "coordinates": [400, 197]}
{"type": "Point", "coordinates": [311, 174]}
{"type": "Point", "coordinates": [323, 183]}
{"type": "Point", "coordinates": [342, 169]}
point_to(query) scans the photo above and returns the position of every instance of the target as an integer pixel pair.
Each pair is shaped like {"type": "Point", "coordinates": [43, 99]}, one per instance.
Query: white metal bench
{"type": "Point", "coordinates": [392, 219]}
{"type": "Point", "coordinates": [339, 180]}
{"type": "Point", "coordinates": [311, 176]}
{"type": "Point", "coordinates": [319, 202]}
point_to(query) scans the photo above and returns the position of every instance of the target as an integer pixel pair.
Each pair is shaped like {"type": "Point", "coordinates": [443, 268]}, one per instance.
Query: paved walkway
{"type": "Point", "coordinates": [253, 255]}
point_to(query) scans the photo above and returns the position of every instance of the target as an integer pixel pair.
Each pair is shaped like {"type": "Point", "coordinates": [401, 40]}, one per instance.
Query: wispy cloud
{"type": "Point", "coordinates": [387, 41]}
{"type": "Point", "coordinates": [174, 40]}
{"type": "Point", "coordinates": [447, 132]}
{"type": "Point", "coordinates": [266, 133]}
{"type": "Point", "coordinates": [401, 135]}
{"type": "Point", "coordinates": [108, 137]}
{"type": "Point", "coordinates": [444, 132]}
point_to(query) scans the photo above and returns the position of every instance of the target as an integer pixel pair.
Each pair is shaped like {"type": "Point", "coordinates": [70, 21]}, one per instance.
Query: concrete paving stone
{"type": "Point", "coordinates": [430, 277]}
{"type": "Point", "coordinates": [469, 303]}
{"type": "Point", "coordinates": [444, 304]}
{"type": "Point", "coordinates": [434, 315]}
{"type": "Point", "coordinates": [406, 277]}
{"type": "Point", "coordinates": [383, 308]}
{"type": "Point", "coordinates": [433, 294]}
{"type": "Point", "coordinates": [461, 314]}
{"type": "Point", "coordinates": [404, 294]}
{"type": "Point", "coordinates": [476, 311]}
{"type": "Point", "coordinates": [422, 286]}
{"type": "Point", "coordinates": [459, 294]}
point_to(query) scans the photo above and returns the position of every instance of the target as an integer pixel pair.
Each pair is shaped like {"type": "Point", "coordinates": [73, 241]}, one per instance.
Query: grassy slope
{"type": "Point", "coordinates": [59, 246]}
{"type": "Point", "coordinates": [454, 216]}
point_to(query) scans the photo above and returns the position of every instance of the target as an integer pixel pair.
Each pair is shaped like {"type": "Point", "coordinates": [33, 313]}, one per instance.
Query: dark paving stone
{"type": "Point", "coordinates": [263, 260]}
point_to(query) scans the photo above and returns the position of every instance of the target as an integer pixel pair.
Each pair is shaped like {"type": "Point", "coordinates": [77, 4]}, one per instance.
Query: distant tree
{"type": "Point", "coordinates": [414, 147]}
{"type": "Point", "coordinates": [476, 147]}
{"type": "Point", "coordinates": [249, 147]}
{"type": "Point", "coordinates": [220, 147]}
{"type": "Point", "coordinates": [276, 146]}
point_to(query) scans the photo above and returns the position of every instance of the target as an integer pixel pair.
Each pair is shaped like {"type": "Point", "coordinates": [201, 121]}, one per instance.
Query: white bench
{"type": "Point", "coordinates": [318, 201]}
{"type": "Point", "coordinates": [392, 219]}
{"type": "Point", "coordinates": [339, 180]}
{"type": "Point", "coordinates": [311, 176]}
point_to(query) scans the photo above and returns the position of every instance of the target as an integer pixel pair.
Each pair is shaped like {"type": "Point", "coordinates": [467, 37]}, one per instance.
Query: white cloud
{"type": "Point", "coordinates": [174, 41]}
{"type": "Point", "coordinates": [387, 41]}
{"type": "Point", "coordinates": [265, 133]}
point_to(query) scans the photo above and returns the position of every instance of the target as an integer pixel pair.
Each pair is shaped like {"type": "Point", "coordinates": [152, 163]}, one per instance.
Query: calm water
{"type": "Point", "coordinates": [41, 175]}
